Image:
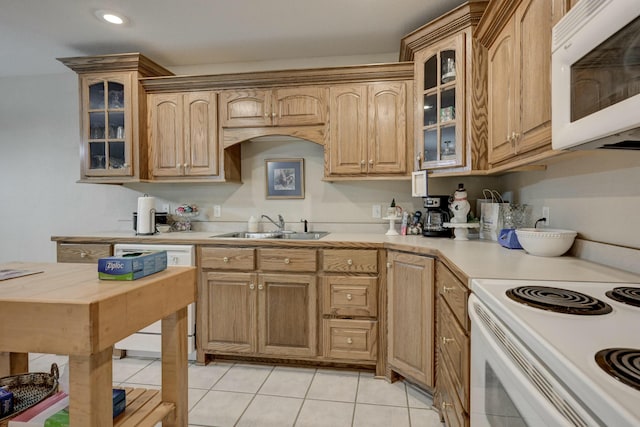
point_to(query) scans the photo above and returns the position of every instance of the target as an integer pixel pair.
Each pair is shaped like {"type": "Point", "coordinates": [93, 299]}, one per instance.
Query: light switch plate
{"type": "Point", "coordinates": [217, 211]}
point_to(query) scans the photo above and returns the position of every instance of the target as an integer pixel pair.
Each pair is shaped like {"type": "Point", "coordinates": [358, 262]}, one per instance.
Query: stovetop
{"type": "Point", "coordinates": [573, 346]}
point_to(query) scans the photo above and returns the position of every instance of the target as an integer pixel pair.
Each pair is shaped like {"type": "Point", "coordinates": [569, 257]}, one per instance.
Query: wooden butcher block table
{"type": "Point", "coordinates": [65, 309]}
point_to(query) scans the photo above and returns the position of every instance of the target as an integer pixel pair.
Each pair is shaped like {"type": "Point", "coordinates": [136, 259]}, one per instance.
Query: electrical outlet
{"type": "Point", "coordinates": [545, 214]}
{"type": "Point", "coordinates": [217, 211]}
{"type": "Point", "coordinates": [376, 211]}
{"type": "Point", "coordinates": [164, 208]}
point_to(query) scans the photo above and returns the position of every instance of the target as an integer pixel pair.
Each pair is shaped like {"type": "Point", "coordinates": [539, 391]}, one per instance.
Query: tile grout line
{"type": "Point", "coordinates": [304, 398]}
{"type": "Point", "coordinates": [254, 395]}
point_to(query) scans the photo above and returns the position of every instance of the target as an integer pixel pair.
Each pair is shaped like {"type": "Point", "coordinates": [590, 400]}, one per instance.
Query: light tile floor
{"type": "Point", "coordinates": [230, 394]}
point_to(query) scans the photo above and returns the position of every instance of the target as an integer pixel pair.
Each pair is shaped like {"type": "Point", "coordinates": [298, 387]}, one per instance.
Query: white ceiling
{"type": "Point", "coordinates": [187, 32]}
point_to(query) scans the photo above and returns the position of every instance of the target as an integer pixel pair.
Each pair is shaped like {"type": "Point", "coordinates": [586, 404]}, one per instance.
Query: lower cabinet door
{"type": "Point", "coordinates": [287, 315]}
{"type": "Point", "coordinates": [231, 300]}
{"type": "Point", "coordinates": [410, 306]}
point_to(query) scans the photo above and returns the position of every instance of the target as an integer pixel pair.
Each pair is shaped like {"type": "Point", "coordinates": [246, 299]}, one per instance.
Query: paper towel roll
{"type": "Point", "coordinates": [146, 215]}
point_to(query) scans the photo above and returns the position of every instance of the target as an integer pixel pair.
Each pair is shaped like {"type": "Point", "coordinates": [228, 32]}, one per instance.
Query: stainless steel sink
{"type": "Point", "coordinates": [293, 235]}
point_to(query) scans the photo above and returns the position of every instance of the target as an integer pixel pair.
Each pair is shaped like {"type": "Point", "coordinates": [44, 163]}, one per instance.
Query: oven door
{"type": "Point", "coordinates": [509, 386]}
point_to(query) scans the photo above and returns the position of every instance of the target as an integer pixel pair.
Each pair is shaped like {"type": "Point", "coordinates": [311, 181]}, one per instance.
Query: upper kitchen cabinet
{"type": "Point", "coordinates": [450, 92]}
{"type": "Point", "coordinates": [368, 129]}
{"type": "Point", "coordinates": [298, 106]}
{"type": "Point", "coordinates": [113, 116]}
{"type": "Point", "coordinates": [183, 135]}
{"type": "Point", "coordinates": [517, 35]}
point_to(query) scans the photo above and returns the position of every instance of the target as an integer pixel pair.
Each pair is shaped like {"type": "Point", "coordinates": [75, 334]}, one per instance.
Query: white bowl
{"type": "Point", "coordinates": [545, 242]}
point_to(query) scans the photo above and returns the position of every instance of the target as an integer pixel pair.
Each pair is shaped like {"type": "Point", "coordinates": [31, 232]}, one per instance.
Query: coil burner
{"type": "Point", "coordinates": [558, 300]}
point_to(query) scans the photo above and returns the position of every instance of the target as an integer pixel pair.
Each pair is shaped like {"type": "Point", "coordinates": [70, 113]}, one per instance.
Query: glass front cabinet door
{"type": "Point", "coordinates": [106, 125]}
{"type": "Point", "coordinates": [440, 104]}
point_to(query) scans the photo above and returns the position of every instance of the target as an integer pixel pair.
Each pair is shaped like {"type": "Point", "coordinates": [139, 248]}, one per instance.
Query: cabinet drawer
{"type": "Point", "coordinates": [454, 349]}
{"type": "Point", "coordinates": [350, 296]}
{"type": "Point", "coordinates": [450, 406]}
{"type": "Point", "coordinates": [88, 253]}
{"type": "Point", "coordinates": [350, 260]}
{"type": "Point", "coordinates": [228, 258]}
{"type": "Point", "coordinates": [454, 293]}
{"type": "Point", "coordinates": [287, 260]}
{"type": "Point", "coordinates": [350, 339]}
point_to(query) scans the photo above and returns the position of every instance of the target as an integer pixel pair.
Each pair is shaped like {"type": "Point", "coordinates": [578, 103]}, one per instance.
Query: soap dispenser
{"type": "Point", "coordinates": [252, 225]}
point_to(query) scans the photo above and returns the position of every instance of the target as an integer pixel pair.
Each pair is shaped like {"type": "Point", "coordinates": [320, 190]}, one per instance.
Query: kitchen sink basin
{"type": "Point", "coordinates": [287, 235]}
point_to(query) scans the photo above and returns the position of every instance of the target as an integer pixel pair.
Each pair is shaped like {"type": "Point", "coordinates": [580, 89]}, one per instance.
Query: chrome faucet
{"type": "Point", "coordinates": [279, 224]}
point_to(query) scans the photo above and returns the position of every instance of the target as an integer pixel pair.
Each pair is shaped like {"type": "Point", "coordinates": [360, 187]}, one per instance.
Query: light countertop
{"type": "Point", "coordinates": [472, 258]}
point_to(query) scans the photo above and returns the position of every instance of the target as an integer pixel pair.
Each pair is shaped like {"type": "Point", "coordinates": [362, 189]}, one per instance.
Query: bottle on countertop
{"type": "Point", "coordinates": [252, 225]}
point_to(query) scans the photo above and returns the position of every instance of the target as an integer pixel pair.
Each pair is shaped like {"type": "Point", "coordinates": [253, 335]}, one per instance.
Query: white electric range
{"type": "Point", "coordinates": [531, 366]}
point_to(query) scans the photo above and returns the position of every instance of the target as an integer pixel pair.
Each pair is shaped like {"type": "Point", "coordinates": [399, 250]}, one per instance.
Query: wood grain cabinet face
{"type": "Point", "coordinates": [453, 348]}
{"type": "Point", "coordinates": [273, 107]}
{"type": "Point", "coordinates": [228, 258]}
{"type": "Point", "coordinates": [519, 99]}
{"type": "Point", "coordinates": [88, 253]}
{"type": "Point", "coordinates": [350, 339]}
{"type": "Point", "coordinates": [350, 296]}
{"type": "Point", "coordinates": [410, 307]}
{"type": "Point", "coordinates": [350, 260]}
{"type": "Point", "coordinates": [108, 102]}
{"type": "Point", "coordinates": [368, 129]}
{"type": "Point", "coordinates": [183, 139]}
{"type": "Point", "coordinates": [289, 260]}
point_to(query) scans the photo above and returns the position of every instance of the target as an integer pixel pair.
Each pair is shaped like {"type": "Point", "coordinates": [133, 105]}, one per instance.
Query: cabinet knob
{"type": "Point", "coordinates": [362, 162]}
{"type": "Point", "coordinates": [349, 341]}
{"type": "Point", "coordinates": [349, 262]}
{"type": "Point", "coordinates": [83, 254]}
{"type": "Point", "coordinates": [446, 340]}
{"type": "Point", "coordinates": [371, 162]}
{"type": "Point", "coordinates": [126, 165]}
{"type": "Point", "coordinates": [266, 115]}
{"type": "Point", "coordinates": [287, 261]}
{"type": "Point", "coordinates": [388, 265]}
{"type": "Point", "coordinates": [273, 114]}
{"type": "Point", "coordinates": [349, 297]}
{"type": "Point", "coordinates": [252, 286]}
{"type": "Point", "coordinates": [185, 165]}
{"type": "Point", "coordinates": [260, 286]}
{"type": "Point", "coordinates": [446, 289]}
{"type": "Point", "coordinates": [225, 259]}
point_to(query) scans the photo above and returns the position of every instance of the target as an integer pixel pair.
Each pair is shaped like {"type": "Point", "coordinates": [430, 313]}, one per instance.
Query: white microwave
{"type": "Point", "coordinates": [595, 76]}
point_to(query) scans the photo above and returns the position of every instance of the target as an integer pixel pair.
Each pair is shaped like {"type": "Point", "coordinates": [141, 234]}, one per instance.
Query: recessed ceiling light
{"type": "Point", "coordinates": [111, 17]}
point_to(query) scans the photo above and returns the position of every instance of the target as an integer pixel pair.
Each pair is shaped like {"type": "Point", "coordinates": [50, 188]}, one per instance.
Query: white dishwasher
{"type": "Point", "coordinates": [147, 342]}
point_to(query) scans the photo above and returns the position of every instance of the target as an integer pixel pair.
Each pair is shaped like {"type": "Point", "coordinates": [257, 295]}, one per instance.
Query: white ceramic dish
{"type": "Point", "coordinates": [545, 242]}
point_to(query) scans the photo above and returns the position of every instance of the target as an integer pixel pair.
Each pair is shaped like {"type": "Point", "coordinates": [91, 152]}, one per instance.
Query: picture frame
{"type": "Point", "coordinates": [285, 178]}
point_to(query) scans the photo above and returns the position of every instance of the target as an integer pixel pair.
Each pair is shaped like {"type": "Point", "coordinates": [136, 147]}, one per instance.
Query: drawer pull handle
{"type": "Point", "coordinates": [349, 297]}
{"type": "Point", "coordinates": [445, 405]}
{"type": "Point", "coordinates": [349, 262]}
{"type": "Point", "coordinates": [225, 259]}
{"type": "Point", "coordinates": [446, 340]}
{"type": "Point", "coordinates": [349, 341]}
{"type": "Point", "coordinates": [261, 286]}
{"type": "Point", "coordinates": [252, 286]}
{"type": "Point", "coordinates": [287, 261]}
{"type": "Point", "coordinates": [446, 289]}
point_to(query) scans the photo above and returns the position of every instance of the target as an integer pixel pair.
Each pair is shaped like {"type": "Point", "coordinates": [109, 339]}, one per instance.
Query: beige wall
{"type": "Point", "coordinates": [596, 193]}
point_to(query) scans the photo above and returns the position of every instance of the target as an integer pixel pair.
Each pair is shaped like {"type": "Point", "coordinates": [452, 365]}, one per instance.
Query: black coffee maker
{"type": "Point", "coordinates": [437, 213]}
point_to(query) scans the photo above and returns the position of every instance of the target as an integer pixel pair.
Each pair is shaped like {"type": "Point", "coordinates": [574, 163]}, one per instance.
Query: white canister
{"type": "Point", "coordinates": [252, 225]}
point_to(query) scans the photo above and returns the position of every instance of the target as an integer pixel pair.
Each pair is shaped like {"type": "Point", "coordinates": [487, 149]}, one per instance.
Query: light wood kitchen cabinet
{"type": "Point", "coordinates": [367, 129]}
{"type": "Point", "coordinates": [268, 311]}
{"type": "Point", "coordinates": [113, 116]}
{"type": "Point", "coordinates": [88, 253]}
{"type": "Point", "coordinates": [450, 92]}
{"type": "Point", "coordinates": [350, 304]}
{"type": "Point", "coordinates": [453, 348]}
{"type": "Point", "coordinates": [410, 307]}
{"type": "Point", "coordinates": [298, 106]}
{"type": "Point", "coordinates": [183, 134]}
{"type": "Point", "coordinates": [518, 39]}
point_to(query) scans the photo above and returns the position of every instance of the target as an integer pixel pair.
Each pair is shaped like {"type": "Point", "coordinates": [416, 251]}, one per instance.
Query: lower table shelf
{"type": "Point", "coordinates": [144, 408]}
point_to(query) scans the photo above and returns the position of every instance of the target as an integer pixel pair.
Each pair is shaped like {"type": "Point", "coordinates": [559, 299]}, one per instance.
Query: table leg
{"type": "Point", "coordinates": [174, 367]}
{"type": "Point", "coordinates": [90, 389]}
{"type": "Point", "coordinates": [13, 363]}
